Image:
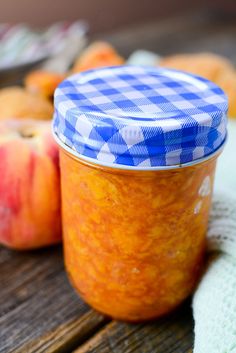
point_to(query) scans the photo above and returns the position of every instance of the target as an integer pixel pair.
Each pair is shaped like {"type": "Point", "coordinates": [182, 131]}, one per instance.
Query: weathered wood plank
{"type": "Point", "coordinates": [67, 336]}
{"type": "Point", "coordinates": [172, 334]}
{"type": "Point", "coordinates": [37, 304]}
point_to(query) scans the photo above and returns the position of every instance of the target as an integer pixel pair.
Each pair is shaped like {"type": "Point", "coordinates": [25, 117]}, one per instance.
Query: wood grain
{"type": "Point", "coordinates": [67, 336]}
{"type": "Point", "coordinates": [38, 307]}
{"type": "Point", "coordinates": [171, 334]}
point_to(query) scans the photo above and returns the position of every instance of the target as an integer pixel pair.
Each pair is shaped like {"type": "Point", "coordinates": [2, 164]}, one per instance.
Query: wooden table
{"type": "Point", "coordinates": [39, 311]}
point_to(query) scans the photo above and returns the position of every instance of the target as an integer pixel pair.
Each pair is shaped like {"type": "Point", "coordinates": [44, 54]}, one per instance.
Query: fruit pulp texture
{"type": "Point", "coordinates": [134, 241]}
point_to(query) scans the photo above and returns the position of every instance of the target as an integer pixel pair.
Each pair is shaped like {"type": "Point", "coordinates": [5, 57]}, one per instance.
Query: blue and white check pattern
{"type": "Point", "coordinates": [140, 117]}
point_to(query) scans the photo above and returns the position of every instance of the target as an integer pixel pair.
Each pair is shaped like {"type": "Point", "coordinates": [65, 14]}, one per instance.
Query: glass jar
{"type": "Point", "coordinates": [134, 229]}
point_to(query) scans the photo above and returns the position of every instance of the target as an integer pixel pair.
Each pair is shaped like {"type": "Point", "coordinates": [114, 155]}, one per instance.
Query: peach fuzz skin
{"type": "Point", "coordinates": [134, 241]}
{"type": "Point", "coordinates": [29, 185]}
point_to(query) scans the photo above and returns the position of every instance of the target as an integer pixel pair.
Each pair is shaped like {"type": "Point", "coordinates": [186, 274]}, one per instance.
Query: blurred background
{"type": "Point", "coordinates": [104, 15]}
{"type": "Point", "coordinates": [193, 25]}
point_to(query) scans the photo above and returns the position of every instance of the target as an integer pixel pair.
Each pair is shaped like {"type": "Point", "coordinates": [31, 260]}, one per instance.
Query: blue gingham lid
{"type": "Point", "coordinates": [140, 117]}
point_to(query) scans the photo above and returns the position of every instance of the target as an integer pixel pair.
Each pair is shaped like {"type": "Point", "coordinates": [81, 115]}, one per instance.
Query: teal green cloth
{"type": "Point", "coordinates": [226, 165]}
{"type": "Point", "coordinates": [214, 302]}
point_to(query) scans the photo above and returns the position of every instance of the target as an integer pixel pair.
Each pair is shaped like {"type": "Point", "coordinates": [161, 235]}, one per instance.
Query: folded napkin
{"type": "Point", "coordinates": [214, 302]}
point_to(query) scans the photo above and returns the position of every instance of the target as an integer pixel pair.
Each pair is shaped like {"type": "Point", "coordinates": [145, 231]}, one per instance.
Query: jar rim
{"type": "Point", "coordinates": [98, 163]}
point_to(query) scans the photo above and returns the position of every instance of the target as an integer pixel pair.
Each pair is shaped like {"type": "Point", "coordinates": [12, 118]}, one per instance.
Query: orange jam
{"type": "Point", "coordinates": [138, 149]}
{"type": "Point", "coordinates": [134, 240]}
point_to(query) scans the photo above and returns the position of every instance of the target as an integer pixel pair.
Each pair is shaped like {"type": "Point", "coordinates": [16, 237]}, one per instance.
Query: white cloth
{"type": "Point", "coordinates": [214, 302]}
{"type": "Point", "coordinates": [226, 165]}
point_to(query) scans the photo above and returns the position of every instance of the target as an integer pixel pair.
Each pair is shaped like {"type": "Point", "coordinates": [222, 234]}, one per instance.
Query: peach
{"type": "Point", "coordinates": [98, 54]}
{"type": "Point", "coordinates": [43, 82]}
{"type": "Point", "coordinates": [17, 102]}
{"type": "Point", "coordinates": [29, 185]}
{"type": "Point", "coordinates": [208, 65]}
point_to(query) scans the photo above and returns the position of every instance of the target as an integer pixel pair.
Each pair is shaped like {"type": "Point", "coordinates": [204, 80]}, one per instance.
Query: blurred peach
{"type": "Point", "coordinates": [227, 82]}
{"type": "Point", "coordinates": [16, 102]}
{"type": "Point", "coordinates": [43, 82]}
{"type": "Point", "coordinates": [98, 54]}
{"type": "Point", "coordinates": [29, 185]}
{"type": "Point", "coordinates": [208, 65]}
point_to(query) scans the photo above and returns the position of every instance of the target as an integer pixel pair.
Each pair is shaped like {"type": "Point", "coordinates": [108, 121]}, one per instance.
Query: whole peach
{"type": "Point", "coordinates": [43, 82]}
{"type": "Point", "coordinates": [29, 185]}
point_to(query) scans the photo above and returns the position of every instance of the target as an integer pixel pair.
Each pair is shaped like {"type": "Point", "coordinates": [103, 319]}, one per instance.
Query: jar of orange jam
{"type": "Point", "coordinates": [138, 150]}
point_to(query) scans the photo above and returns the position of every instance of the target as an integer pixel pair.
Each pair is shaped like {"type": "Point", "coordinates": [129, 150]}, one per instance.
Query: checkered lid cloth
{"type": "Point", "coordinates": [139, 117]}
